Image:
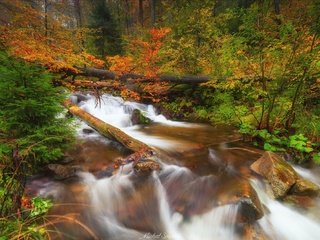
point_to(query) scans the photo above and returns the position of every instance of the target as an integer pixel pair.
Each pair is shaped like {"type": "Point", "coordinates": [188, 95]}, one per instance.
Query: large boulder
{"type": "Point", "coordinates": [280, 175]}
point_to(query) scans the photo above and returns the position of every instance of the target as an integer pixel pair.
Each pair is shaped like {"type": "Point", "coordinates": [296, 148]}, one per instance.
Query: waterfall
{"type": "Point", "coordinates": [284, 222]}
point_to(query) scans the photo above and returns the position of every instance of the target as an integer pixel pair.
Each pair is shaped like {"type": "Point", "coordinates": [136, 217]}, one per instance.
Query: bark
{"type": "Point", "coordinates": [109, 75]}
{"type": "Point", "coordinates": [106, 129]}
{"type": "Point", "coordinates": [141, 12]}
{"type": "Point", "coordinates": [153, 11]}
{"type": "Point", "coordinates": [277, 6]}
{"type": "Point", "coordinates": [98, 84]}
{"type": "Point", "coordinates": [46, 17]}
{"type": "Point", "coordinates": [78, 13]}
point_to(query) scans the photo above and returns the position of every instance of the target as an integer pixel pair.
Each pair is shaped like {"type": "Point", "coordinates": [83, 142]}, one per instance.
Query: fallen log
{"type": "Point", "coordinates": [98, 84]}
{"type": "Point", "coordinates": [106, 129]}
{"type": "Point", "coordinates": [103, 74]}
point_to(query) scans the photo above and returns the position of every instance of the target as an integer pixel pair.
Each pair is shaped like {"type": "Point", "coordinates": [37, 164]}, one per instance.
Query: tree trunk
{"type": "Point", "coordinates": [153, 11]}
{"type": "Point", "coordinates": [46, 17]}
{"type": "Point", "coordinates": [106, 129]}
{"type": "Point", "coordinates": [78, 13]}
{"type": "Point", "coordinates": [277, 6]}
{"type": "Point", "coordinates": [141, 12]}
{"type": "Point", "coordinates": [108, 75]}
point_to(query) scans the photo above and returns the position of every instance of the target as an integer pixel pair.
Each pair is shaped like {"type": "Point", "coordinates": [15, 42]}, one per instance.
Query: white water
{"type": "Point", "coordinates": [106, 198]}
{"type": "Point", "coordinates": [117, 112]}
{"type": "Point", "coordinates": [307, 174]}
{"type": "Point", "coordinates": [284, 222]}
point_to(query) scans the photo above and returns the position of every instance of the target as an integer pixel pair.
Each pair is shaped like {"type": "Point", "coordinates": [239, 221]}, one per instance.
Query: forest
{"type": "Point", "coordinates": [245, 71]}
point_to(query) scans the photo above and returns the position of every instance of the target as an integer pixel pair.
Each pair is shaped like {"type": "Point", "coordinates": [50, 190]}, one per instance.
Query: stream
{"type": "Point", "coordinates": [189, 199]}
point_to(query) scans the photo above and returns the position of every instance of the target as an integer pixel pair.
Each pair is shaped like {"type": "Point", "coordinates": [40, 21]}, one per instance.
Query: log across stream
{"type": "Point", "coordinates": [204, 189]}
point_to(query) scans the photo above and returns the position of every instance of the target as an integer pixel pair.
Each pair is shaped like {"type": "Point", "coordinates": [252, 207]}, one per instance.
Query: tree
{"type": "Point", "coordinates": [107, 39]}
{"type": "Point", "coordinates": [32, 132]}
{"type": "Point", "coordinates": [153, 7]}
{"type": "Point", "coordinates": [52, 43]}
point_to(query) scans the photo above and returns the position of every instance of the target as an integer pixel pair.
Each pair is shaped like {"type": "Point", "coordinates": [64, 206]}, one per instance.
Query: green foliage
{"type": "Point", "coordinates": [33, 131]}
{"type": "Point", "coordinates": [28, 225]}
{"type": "Point", "coordinates": [300, 143]}
{"type": "Point", "coordinates": [106, 38]}
{"type": "Point", "coordinates": [40, 206]}
{"type": "Point", "coordinates": [29, 112]}
{"type": "Point", "coordinates": [316, 158]}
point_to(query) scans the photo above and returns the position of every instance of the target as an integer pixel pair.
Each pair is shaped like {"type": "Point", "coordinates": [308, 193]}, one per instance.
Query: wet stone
{"type": "Point", "coordinates": [304, 202]}
{"type": "Point", "coordinates": [280, 175]}
{"type": "Point", "coordinates": [63, 171]}
{"type": "Point", "coordinates": [305, 187]}
{"type": "Point", "coordinates": [87, 130]}
{"type": "Point", "coordinates": [146, 167]}
{"type": "Point", "coordinates": [137, 117]}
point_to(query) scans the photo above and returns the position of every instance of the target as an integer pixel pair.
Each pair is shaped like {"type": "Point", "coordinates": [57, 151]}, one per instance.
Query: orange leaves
{"type": "Point", "coordinates": [149, 57]}
{"type": "Point", "coordinates": [128, 94]}
{"type": "Point", "coordinates": [98, 63]}
{"type": "Point", "coordinates": [158, 34]}
{"type": "Point", "coordinates": [56, 48]}
{"type": "Point", "coordinates": [145, 54]}
{"type": "Point", "coordinates": [121, 64]}
{"type": "Point", "coordinates": [26, 203]}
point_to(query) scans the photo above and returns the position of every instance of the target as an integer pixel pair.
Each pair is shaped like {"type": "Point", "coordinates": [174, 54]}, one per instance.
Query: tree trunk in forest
{"type": "Point", "coordinates": [277, 6]}
{"type": "Point", "coordinates": [153, 11]}
{"type": "Point", "coordinates": [46, 17]}
{"type": "Point", "coordinates": [141, 12]}
{"type": "Point", "coordinates": [106, 129]}
{"type": "Point", "coordinates": [127, 15]}
{"type": "Point", "coordinates": [78, 13]}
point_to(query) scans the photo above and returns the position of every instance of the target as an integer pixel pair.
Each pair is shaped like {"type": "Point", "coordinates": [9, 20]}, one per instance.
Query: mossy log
{"type": "Point", "coordinates": [106, 129]}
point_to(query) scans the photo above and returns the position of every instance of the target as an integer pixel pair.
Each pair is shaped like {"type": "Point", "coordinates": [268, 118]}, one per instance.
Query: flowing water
{"type": "Point", "coordinates": [189, 199]}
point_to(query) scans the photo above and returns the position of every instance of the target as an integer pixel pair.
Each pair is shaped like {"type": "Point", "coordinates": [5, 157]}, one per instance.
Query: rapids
{"type": "Point", "coordinates": [186, 200]}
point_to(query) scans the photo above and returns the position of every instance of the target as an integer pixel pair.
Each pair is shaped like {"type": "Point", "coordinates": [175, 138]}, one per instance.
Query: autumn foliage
{"type": "Point", "coordinates": [144, 54]}
{"type": "Point", "coordinates": [54, 46]}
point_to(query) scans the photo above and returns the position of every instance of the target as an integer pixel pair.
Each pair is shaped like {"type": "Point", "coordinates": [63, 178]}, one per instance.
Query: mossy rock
{"type": "Point", "coordinates": [137, 117]}
{"type": "Point", "coordinates": [305, 187]}
{"type": "Point", "coordinates": [145, 167]}
{"type": "Point", "coordinates": [304, 202]}
{"type": "Point", "coordinates": [280, 175]}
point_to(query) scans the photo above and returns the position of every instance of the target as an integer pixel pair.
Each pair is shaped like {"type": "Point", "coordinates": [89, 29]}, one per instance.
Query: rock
{"type": "Point", "coordinates": [137, 117]}
{"type": "Point", "coordinates": [253, 232]}
{"type": "Point", "coordinates": [87, 130]}
{"type": "Point", "coordinates": [277, 171]}
{"type": "Point", "coordinates": [250, 208]}
{"type": "Point", "coordinates": [300, 201]}
{"type": "Point", "coordinates": [146, 167]}
{"type": "Point", "coordinates": [80, 97]}
{"type": "Point", "coordinates": [305, 187]}
{"type": "Point", "coordinates": [63, 171]}
{"type": "Point", "coordinates": [244, 195]}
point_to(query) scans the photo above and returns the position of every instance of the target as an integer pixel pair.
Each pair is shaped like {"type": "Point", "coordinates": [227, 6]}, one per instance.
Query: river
{"type": "Point", "coordinates": [187, 200]}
